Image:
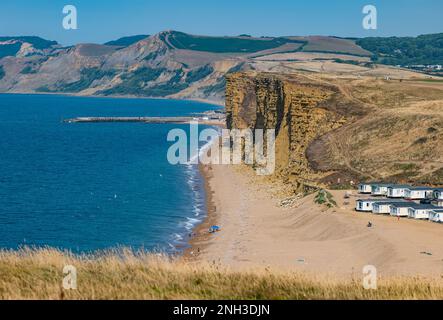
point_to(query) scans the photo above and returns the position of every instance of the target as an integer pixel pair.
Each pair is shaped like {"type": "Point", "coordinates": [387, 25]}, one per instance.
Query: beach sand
{"type": "Point", "coordinates": [257, 233]}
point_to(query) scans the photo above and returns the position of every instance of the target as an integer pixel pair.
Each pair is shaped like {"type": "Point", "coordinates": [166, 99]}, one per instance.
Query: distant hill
{"type": "Point", "coordinates": [178, 65]}
{"type": "Point", "coordinates": [37, 42]}
{"type": "Point", "coordinates": [11, 46]}
{"type": "Point", "coordinates": [127, 41]}
{"type": "Point", "coordinates": [421, 50]}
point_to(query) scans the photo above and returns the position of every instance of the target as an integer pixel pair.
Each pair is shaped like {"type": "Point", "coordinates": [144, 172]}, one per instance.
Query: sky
{"type": "Point", "coordinates": [100, 21]}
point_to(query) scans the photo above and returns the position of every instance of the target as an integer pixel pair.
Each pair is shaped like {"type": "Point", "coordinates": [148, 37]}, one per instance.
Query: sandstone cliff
{"type": "Point", "coordinates": [300, 110]}
{"type": "Point", "coordinates": [335, 131]}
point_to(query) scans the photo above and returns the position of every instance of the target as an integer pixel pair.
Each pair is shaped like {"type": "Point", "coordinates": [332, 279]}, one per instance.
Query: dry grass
{"type": "Point", "coordinates": [38, 274]}
{"type": "Point", "coordinates": [402, 125]}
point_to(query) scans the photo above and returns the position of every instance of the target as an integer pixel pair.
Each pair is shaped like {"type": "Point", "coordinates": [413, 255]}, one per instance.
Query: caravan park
{"type": "Point", "coordinates": [401, 201]}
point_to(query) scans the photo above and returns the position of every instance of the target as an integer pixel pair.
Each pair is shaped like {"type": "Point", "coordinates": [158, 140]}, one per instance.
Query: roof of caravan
{"type": "Point", "coordinates": [420, 188]}
{"type": "Point", "coordinates": [389, 185]}
{"type": "Point", "coordinates": [413, 205]}
{"type": "Point", "coordinates": [399, 186]}
{"type": "Point", "coordinates": [392, 201]}
{"type": "Point", "coordinates": [382, 200]}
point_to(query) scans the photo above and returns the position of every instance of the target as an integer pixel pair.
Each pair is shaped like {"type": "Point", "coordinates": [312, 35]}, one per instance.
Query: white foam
{"type": "Point", "coordinates": [178, 237]}
{"type": "Point", "coordinates": [191, 223]}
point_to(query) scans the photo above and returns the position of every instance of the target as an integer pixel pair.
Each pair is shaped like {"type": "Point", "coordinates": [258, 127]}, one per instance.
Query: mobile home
{"type": "Point", "coordinates": [420, 211]}
{"type": "Point", "coordinates": [436, 215]}
{"type": "Point", "coordinates": [384, 207]}
{"type": "Point", "coordinates": [401, 209]}
{"type": "Point", "coordinates": [418, 193]}
{"type": "Point", "coordinates": [397, 190]}
{"type": "Point", "coordinates": [366, 205]}
{"type": "Point", "coordinates": [364, 188]}
{"type": "Point", "coordinates": [379, 189]}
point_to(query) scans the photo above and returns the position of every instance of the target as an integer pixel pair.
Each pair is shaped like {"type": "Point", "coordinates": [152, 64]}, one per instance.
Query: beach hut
{"type": "Point", "coordinates": [379, 189]}
{"type": "Point", "coordinates": [397, 190]}
{"type": "Point", "coordinates": [401, 209]}
{"type": "Point", "coordinates": [420, 212]}
{"type": "Point", "coordinates": [418, 193]}
{"type": "Point", "coordinates": [436, 215]}
{"type": "Point", "coordinates": [384, 207]}
{"type": "Point", "coordinates": [364, 188]}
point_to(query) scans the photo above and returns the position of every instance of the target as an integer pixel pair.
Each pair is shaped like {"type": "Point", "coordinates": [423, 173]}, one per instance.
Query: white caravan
{"type": "Point", "coordinates": [421, 212]}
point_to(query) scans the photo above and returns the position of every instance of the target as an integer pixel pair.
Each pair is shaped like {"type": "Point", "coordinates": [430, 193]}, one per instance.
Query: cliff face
{"type": "Point", "coordinates": [336, 131]}
{"type": "Point", "coordinates": [299, 111]}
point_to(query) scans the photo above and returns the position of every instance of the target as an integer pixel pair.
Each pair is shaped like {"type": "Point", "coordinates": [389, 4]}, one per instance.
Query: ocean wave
{"type": "Point", "coordinates": [178, 237]}
{"type": "Point", "coordinates": [197, 205]}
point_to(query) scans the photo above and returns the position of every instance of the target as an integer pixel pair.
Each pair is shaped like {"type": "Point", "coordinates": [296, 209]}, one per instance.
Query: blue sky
{"type": "Point", "coordinates": [103, 20]}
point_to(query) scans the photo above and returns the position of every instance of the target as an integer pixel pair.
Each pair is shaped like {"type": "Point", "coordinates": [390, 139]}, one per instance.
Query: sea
{"type": "Point", "coordinates": [85, 187]}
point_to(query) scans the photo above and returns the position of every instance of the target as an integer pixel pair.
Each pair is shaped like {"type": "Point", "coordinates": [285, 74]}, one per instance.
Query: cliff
{"type": "Point", "coordinates": [336, 131]}
{"type": "Point", "coordinates": [298, 109]}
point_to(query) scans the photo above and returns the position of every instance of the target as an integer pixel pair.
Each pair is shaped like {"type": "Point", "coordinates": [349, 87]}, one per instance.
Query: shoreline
{"type": "Point", "coordinates": [257, 233]}
{"type": "Point", "coordinates": [200, 235]}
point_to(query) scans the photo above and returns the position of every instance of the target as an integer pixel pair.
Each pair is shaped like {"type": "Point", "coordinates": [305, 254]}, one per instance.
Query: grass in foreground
{"type": "Point", "coordinates": [38, 274]}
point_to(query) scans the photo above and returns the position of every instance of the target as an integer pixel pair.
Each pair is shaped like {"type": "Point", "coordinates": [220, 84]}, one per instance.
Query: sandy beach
{"type": "Point", "coordinates": [256, 232]}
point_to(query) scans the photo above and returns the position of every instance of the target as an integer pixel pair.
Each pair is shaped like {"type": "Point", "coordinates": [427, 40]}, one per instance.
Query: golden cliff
{"type": "Point", "coordinates": [298, 110]}
{"type": "Point", "coordinates": [335, 131]}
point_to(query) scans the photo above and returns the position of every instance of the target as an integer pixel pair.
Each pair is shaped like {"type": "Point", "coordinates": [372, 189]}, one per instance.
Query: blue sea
{"type": "Point", "coordinates": [92, 186]}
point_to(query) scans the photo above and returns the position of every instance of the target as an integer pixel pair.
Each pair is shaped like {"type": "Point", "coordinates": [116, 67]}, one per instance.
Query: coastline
{"type": "Point", "coordinates": [200, 100]}
{"type": "Point", "coordinates": [200, 235]}
{"type": "Point", "coordinates": [257, 233]}
{"type": "Point", "coordinates": [188, 225]}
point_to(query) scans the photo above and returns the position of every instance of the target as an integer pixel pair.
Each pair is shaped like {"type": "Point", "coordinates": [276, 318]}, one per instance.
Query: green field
{"type": "Point", "coordinates": [181, 40]}
{"type": "Point", "coordinates": [425, 49]}
{"type": "Point", "coordinates": [126, 41]}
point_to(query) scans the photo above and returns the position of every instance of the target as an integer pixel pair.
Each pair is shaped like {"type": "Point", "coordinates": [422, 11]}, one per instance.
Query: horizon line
{"type": "Point", "coordinates": [218, 36]}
